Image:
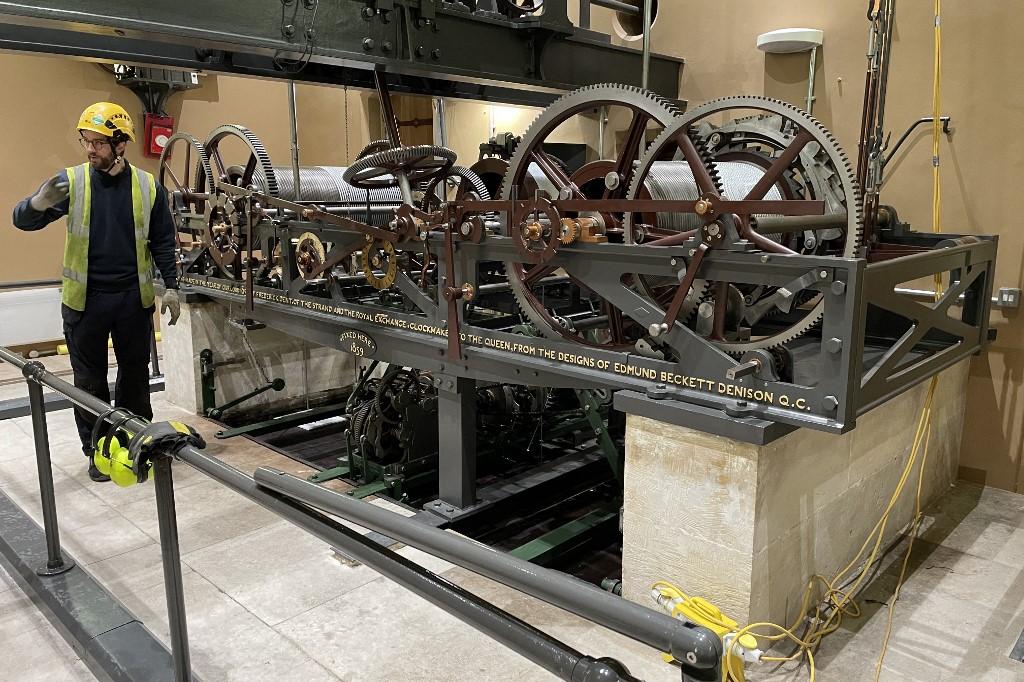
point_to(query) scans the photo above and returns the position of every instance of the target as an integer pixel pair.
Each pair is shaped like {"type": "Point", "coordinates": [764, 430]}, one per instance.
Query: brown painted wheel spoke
{"type": "Point", "coordinates": [673, 239]}
{"type": "Point", "coordinates": [555, 173]}
{"type": "Point", "coordinates": [218, 161]}
{"type": "Point", "coordinates": [174, 179]}
{"type": "Point", "coordinates": [766, 244]}
{"type": "Point", "coordinates": [250, 168]}
{"type": "Point", "coordinates": [536, 273]}
{"type": "Point", "coordinates": [629, 152]}
{"type": "Point", "coordinates": [700, 172]}
{"type": "Point", "coordinates": [779, 166]}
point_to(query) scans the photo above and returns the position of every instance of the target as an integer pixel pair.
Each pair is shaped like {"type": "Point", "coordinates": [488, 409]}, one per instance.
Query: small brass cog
{"type": "Point", "coordinates": [380, 255]}
{"type": "Point", "coordinates": [571, 231]}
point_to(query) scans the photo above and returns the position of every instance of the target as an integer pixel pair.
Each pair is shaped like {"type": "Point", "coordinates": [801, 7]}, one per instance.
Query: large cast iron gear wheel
{"type": "Point", "coordinates": [836, 158]}
{"type": "Point", "coordinates": [183, 192]}
{"type": "Point", "coordinates": [180, 191]}
{"type": "Point", "coordinates": [256, 171]}
{"type": "Point", "coordinates": [420, 163]}
{"type": "Point", "coordinates": [470, 186]}
{"type": "Point", "coordinates": [588, 98]}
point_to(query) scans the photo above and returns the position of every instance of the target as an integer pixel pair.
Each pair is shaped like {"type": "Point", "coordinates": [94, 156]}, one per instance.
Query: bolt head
{"type": "Point", "coordinates": [765, 258]}
{"type": "Point", "coordinates": [466, 228]}
{"type": "Point", "coordinates": [829, 402]}
{"type": "Point", "coordinates": [368, 44]}
{"type": "Point", "coordinates": [693, 252]}
{"type": "Point", "coordinates": [435, 54]}
{"type": "Point", "coordinates": [834, 345]}
{"type": "Point", "coordinates": [838, 288]}
{"type": "Point", "coordinates": [672, 262]}
{"type": "Point", "coordinates": [823, 274]}
{"type": "Point", "coordinates": [368, 13]}
{"type": "Point", "coordinates": [565, 194]}
{"type": "Point", "coordinates": [386, 46]}
{"type": "Point", "coordinates": [612, 180]}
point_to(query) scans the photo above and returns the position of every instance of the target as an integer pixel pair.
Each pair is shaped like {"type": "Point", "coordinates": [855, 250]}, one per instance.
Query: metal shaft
{"type": "Point", "coordinates": [618, 6]}
{"type": "Point", "coordinates": [171, 558]}
{"type": "Point", "coordinates": [54, 560]}
{"type": "Point", "coordinates": [647, 42]}
{"type": "Point", "coordinates": [526, 640]}
{"type": "Point", "coordinates": [810, 79]}
{"type": "Point", "coordinates": [293, 116]}
{"type": "Point", "coordinates": [642, 624]}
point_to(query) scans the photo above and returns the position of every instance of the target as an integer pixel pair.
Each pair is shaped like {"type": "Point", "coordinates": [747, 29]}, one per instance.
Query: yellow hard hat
{"type": "Point", "coordinates": [107, 118]}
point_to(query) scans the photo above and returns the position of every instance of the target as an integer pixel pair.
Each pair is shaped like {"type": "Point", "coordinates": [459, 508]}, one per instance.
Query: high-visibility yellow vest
{"type": "Point", "coordinates": [76, 244]}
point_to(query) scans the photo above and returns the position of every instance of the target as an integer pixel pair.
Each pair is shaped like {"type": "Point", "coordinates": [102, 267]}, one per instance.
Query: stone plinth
{"type": "Point", "coordinates": [746, 525]}
{"type": "Point", "coordinates": [307, 369]}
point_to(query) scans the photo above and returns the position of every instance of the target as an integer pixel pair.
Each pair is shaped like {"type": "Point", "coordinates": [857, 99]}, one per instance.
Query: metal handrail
{"type": "Point", "coordinates": [698, 650]}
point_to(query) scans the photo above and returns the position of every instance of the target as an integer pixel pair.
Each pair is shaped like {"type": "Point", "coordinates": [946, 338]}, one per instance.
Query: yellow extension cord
{"type": "Point", "coordinates": [837, 601]}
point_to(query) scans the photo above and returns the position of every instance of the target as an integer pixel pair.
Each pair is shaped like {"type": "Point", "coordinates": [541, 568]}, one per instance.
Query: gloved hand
{"type": "Point", "coordinates": [172, 302]}
{"type": "Point", "coordinates": [54, 191]}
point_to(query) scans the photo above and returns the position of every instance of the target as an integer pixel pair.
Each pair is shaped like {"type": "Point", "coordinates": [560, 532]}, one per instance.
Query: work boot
{"type": "Point", "coordinates": [95, 473]}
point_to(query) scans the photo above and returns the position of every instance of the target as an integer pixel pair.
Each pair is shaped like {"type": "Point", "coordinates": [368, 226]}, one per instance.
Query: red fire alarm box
{"type": "Point", "coordinates": [158, 130]}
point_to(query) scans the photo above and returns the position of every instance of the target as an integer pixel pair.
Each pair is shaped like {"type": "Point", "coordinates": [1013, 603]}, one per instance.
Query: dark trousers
{"type": "Point", "coordinates": [120, 316]}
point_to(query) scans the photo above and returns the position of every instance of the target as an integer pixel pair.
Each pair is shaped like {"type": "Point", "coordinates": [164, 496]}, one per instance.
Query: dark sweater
{"type": "Point", "coordinates": [112, 259]}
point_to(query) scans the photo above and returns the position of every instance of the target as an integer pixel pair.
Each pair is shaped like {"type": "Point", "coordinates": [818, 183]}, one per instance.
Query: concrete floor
{"type": "Point", "coordinates": [267, 601]}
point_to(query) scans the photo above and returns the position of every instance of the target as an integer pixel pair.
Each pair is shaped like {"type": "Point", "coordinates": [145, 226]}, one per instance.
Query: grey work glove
{"type": "Point", "coordinates": [171, 301]}
{"type": "Point", "coordinates": [54, 191]}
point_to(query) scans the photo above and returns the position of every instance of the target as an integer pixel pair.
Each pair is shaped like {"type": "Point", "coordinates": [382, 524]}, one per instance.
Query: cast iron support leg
{"type": "Point", "coordinates": [171, 556]}
{"type": "Point", "coordinates": [456, 414]}
{"type": "Point", "coordinates": [55, 561]}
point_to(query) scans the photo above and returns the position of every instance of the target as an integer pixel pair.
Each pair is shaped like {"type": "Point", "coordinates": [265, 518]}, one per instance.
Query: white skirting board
{"type": "Point", "coordinates": [30, 316]}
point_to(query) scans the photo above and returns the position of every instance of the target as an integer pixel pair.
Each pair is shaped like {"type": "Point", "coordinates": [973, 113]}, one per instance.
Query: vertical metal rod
{"type": "Point", "coordinates": [293, 116]}
{"type": "Point", "coordinates": [810, 79]}
{"type": "Point", "coordinates": [154, 361]}
{"type": "Point", "coordinates": [171, 556]}
{"type": "Point", "coordinates": [442, 124]}
{"type": "Point", "coordinates": [602, 124]}
{"type": "Point", "coordinates": [55, 562]}
{"type": "Point", "coordinates": [647, 42]}
{"type": "Point", "coordinates": [585, 14]}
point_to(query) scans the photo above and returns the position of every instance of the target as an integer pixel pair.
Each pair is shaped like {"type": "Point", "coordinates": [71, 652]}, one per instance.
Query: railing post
{"type": "Point", "coordinates": [56, 563]}
{"type": "Point", "coordinates": [171, 555]}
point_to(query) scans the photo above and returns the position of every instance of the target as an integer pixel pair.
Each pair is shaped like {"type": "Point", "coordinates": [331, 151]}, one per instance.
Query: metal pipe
{"type": "Point", "coordinates": [519, 636]}
{"type": "Point", "coordinates": [30, 284]}
{"type": "Point", "coordinates": [810, 79]}
{"type": "Point", "coordinates": [698, 647]}
{"type": "Point", "coordinates": [55, 562]}
{"type": "Point", "coordinates": [647, 43]}
{"type": "Point", "coordinates": [618, 6]}
{"type": "Point", "coordinates": [779, 224]}
{"type": "Point", "coordinates": [170, 555]}
{"type": "Point", "coordinates": [685, 641]}
{"type": "Point", "coordinates": [602, 124]}
{"type": "Point", "coordinates": [293, 117]}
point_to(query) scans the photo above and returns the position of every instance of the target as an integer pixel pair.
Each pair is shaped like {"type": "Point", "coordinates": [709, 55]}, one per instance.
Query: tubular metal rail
{"type": "Point", "coordinates": [698, 650]}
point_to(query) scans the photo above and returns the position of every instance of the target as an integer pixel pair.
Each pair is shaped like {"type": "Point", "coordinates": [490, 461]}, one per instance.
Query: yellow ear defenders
{"type": "Point", "coordinates": [110, 456]}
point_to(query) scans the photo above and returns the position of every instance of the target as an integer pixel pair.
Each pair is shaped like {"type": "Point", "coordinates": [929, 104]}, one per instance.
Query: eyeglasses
{"type": "Point", "coordinates": [94, 144]}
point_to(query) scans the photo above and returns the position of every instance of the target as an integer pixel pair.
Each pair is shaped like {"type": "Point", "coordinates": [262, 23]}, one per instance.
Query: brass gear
{"type": "Point", "coordinates": [310, 254]}
{"type": "Point", "coordinates": [571, 231]}
{"type": "Point", "coordinates": [380, 255]}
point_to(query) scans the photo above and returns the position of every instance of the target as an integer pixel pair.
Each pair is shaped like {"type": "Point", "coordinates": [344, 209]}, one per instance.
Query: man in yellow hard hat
{"type": "Point", "coordinates": [118, 225]}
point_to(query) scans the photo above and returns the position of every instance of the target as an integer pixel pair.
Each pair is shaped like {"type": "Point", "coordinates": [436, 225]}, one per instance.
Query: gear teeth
{"type": "Point", "coordinates": [836, 156]}
{"type": "Point", "coordinates": [584, 98]}
{"type": "Point", "coordinates": [264, 168]}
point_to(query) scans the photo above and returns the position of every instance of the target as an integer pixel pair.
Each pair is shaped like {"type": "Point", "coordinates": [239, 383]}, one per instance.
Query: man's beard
{"type": "Point", "coordinates": [101, 162]}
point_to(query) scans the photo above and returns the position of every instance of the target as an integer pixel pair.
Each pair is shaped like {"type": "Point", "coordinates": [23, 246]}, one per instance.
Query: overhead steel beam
{"type": "Point", "coordinates": [440, 52]}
